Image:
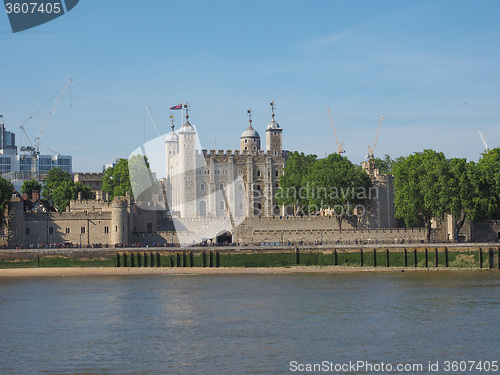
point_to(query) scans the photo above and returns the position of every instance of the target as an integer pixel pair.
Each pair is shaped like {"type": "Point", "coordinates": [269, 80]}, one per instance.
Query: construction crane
{"type": "Point", "coordinates": [150, 112]}
{"type": "Point", "coordinates": [371, 151]}
{"type": "Point", "coordinates": [484, 142]}
{"type": "Point", "coordinates": [339, 146]}
{"type": "Point", "coordinates": [34, 148]}
{"type": "Point", "coordinates": [54, 151]}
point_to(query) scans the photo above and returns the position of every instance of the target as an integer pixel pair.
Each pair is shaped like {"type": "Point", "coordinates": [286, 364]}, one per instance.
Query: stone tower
{"type": "Point", "coordinates": [250, 138]}
{"type": "Point", "coordinates": [172, 149]}
{"type": "Point", "coordinates": [273, 136]}
{"type": "Point", "coordinates": [119, 221]}
{"type": "Point", "coordinates": [187, 169]}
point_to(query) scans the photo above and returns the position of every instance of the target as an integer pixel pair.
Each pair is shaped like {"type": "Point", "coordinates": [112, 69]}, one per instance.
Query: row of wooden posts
{"type": "Point", "coordinates": [177, 259]}
{"type": "Point", "coordinates": [185, 258]}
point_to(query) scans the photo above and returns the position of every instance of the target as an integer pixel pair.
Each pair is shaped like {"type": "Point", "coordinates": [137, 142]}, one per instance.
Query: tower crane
{"type": "Point", "coordinates": [150, 112]}
{"type": "Point", "coordinates": [34, 148]}
{"type": "Point", "coordinates": [484, 142]}
{"type": "Point", "coordinates": [339, 146]}
{"type": "Point", "coordinates": [371, 151]}
{"type": "Point", "coordinates": [54, 151]}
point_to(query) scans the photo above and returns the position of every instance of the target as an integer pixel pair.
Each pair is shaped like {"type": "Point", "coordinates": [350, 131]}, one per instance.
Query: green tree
{"type": "Point", "coordinates": [384, 165]}
{"type": "Point", "coordinates": [116, 180]}
{"type": "Point", "coordinates": [487, 186]}
{"type": "Point", "coordinates": [142, 182]}
{"type": "Point", "coordinates": [293, 184]}
{"type": "Point", "coordinates": [6, 190]}
{"type": "Point", "coordinates": [462, 191]}
{"type": "Point", "coordinates": [29, 186]}
{"type": "Point", "coordinates": [59, 189]}
{"type": "Point", "coordinates": [61, 195]}
{"type": "Point", "coordinates": [336, 183]}
{"type": "Point", "coordinates": [421, 188]}
{"type": "Point", "coordinates": [54, 178]}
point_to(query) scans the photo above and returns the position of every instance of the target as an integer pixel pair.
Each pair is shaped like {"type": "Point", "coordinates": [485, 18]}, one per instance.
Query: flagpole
{"type": "Point", "coordinates": [182, 118]}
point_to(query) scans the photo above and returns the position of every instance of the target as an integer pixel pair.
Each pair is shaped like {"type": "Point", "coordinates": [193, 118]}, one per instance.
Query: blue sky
{"type": "Point", "coordinates": [430, 67]}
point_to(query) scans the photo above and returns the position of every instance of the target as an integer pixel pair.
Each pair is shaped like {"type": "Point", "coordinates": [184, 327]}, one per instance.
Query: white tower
{"type": "Point", "coordinates": [187, 168]}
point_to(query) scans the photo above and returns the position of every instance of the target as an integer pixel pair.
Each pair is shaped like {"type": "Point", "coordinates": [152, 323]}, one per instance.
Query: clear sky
{"type": "Point", "coordinates": [432, 68]}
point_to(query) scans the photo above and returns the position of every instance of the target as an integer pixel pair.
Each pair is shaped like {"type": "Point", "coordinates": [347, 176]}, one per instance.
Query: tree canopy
{"type": "Point", "coordinates": [133, 176]}
{"type": "Point", "coordinates": [338, 185]}
{"type": "Point", "coordinates": [334, 184]}
{"type": "Point", "coordinates": [427, 185]}
{"type": "Point", "coordinates": [59, 189]}
{"type": "Point", "coordinates": [29, 186]}
{"type": "Point", "coordinates": [116, 180]}
{"type": "Point", "coordinates": [384, 165]}
{"type": "Point", "coordinates": [293, 183]}
{"type": "Point", "coordinates": [6, 190]}
{"type": "Point", "coordinates": [420, 182]}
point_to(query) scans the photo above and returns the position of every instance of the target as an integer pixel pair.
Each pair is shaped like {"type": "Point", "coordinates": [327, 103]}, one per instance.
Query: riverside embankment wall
{"type": "Point", "coordinates": [435, 256]}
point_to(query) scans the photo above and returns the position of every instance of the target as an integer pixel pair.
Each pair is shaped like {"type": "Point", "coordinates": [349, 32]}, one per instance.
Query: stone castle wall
{"type": "Point", "coordinates": [319, 229]}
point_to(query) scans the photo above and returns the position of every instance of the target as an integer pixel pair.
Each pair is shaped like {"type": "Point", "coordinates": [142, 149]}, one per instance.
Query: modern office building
{"type": "Point", "coordinates": [16, 167]}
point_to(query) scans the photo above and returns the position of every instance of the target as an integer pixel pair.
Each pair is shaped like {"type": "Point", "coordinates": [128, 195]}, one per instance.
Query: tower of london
{"type": "Point", "coordinates": [224, 183]}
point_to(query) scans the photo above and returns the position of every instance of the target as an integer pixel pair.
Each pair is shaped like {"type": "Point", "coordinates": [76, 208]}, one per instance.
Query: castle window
{"type": "Point", "coordinates": [277, 173]}
{"type": "Point", "coordinates": [68, 231]}
{"type": "Point", "coordinates": [28, 230]}
{"type": "Point", "coordinates": [150, 227]}
{"type": "Point", "coordinates": [255, 148]}
{"type": "Point", "coordinates": [246, 148]}
{"type": "Point", "coordinates": [82, 230]}
{"type": "Point", "coordinates": [257, 187]}
{"type": "Point", "coordinates": [240, 186]}
{"type": "Point", "coordinates": [202, 186]}
{"type": "Point", "coordinates": [246, 140]}
{"type": "Point", "coordinates": [222, 206]}
{"type": "Point", "coordinates": [51, 230]}
{"type": "Point", "coordinates": [221, 186]}
{"type": "Point", "coordinates": [258, 173]}
{"type": "Point", "coordinates": [106, 230]}
{"type": "Point", "coordinates": [189, 178]}
{"type": "Point", "coordinates": [116, 229]}
{"type": "Point", "coordinates": [275, 153]}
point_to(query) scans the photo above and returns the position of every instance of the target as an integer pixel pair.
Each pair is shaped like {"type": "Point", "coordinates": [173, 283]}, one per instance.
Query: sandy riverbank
{"type": "Point", "coordinates": [111, 271]}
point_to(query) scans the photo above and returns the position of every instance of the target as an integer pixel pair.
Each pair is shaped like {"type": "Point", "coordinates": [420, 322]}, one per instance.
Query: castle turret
{"type": "Point", "coordinates": [119, 221]}
{"type": "Point", "coordinates": [273, 136]}
{"type": "Point", "coordinates": [250, 138]}
{"type": "Point", "coordinates": [172, 149]}
{"type": "Point", "coordinates": [187, 172]}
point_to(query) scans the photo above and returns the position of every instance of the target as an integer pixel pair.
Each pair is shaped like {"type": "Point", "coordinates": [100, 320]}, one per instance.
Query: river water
{"type": "Point", "coordinates": [249, 324]}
